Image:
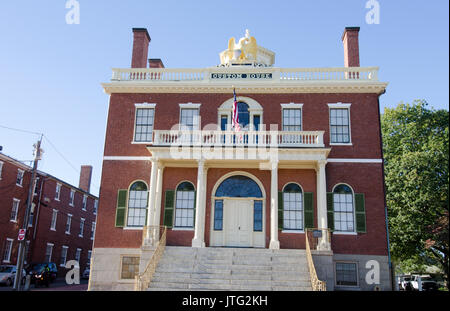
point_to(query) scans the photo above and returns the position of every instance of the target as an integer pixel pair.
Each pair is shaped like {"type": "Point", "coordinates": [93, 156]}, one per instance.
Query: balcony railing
{"type": "Point", "coordinates": [260, 74]}
{"type": "Point", "coordinates": [275, 139]}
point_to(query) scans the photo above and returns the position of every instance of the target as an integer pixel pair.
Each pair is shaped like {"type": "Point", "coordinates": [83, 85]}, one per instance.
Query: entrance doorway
{"type": "Point", "coordinates": [238, 216]}
{"type": "Point", "coordinates": [238, 212]}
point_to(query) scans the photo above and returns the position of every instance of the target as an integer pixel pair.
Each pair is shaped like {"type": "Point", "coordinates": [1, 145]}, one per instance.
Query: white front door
{"type": "Point", "coordinates": [238, 215]}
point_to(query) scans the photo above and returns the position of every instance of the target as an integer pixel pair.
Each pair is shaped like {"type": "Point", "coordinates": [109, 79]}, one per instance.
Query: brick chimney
{"type": "Point", "coordinates": [351, 46]}
{"type": "Point", "coordinates": [155, 63]}
{"type": "Point", "coordinates": [141, 40]}
{"type": "Point", "coordinates": [85, 177]}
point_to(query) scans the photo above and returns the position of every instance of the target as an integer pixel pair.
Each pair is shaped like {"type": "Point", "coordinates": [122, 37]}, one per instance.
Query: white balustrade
{"type": "Point", "coordinates": [243, 138]}
{"type": "Point", "coordinates": [272, 74]}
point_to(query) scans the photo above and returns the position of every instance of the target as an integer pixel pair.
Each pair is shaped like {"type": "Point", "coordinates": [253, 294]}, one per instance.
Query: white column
{"type": "Point", "coordinates": [322, 221]}
{"type": "Point", "coordinates": [159, 182]}
{"type": "Point", "coordinates": [157, 210]}
{"type": "Point", "coordinates": [149, 240]}
{"type": "Point", "coordinates": [199, 235]}
{"type": "Point", "coordinates": [274, 243]}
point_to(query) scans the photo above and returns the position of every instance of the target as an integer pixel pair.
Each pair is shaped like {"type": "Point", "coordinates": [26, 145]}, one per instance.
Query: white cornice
{"type": "Point", "coordinates": [260, 88]}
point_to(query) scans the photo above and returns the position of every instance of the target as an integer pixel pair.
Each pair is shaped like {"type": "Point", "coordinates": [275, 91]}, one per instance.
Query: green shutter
{"type": "Point", "coordinates": [360, 213]}
{"type": "Point", "coordinates": [146, 210]}
{"type": "Point", "coordinates": [195, 204]}
{"type": "Point", "coordinates": [330, 211]}
{"type": "Point", "coordinates": [121, 207]}
{"type": "Point", "coordinates": [168, 208]}
{"type": "Point", "coordinates": [309, 209]}
{"type": "Point", "coordinates": [280, 210]}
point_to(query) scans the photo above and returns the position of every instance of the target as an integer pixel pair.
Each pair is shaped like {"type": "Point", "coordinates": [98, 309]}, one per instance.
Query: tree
{"type": "Point", "coordinates": [416, 154]}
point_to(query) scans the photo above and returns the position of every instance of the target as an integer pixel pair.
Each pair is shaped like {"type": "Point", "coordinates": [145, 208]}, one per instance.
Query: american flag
{"type": "Point", "coordinates": [235, 116]}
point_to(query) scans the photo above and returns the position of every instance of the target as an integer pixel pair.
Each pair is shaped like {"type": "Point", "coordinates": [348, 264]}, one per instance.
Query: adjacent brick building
{"type": "Point", "coordinates": [61, 226]}
{"type": "Point", "coordinates": [308, 155]}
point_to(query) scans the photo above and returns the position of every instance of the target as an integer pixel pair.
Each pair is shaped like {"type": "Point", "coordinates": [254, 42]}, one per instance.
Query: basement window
{"type": "Point", "coordinates": [130, 267]}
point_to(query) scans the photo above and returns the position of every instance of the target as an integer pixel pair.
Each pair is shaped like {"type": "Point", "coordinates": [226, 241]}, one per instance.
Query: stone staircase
{"type": "Point", "coordinates": [239, 269]}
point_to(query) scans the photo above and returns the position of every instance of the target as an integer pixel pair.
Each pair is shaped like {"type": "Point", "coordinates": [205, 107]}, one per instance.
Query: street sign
{"type": "Point", "coordinates": [21, 236]}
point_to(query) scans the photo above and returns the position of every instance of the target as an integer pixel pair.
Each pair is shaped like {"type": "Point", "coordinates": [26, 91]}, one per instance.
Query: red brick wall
{"type": "Point", "coordinates": [365, 134]}
{"type": "Point", "coordinates": [368, 179]}
{"type": "Point", "coordinates": [118, 175]}
{"type": "Point", "coordinates": [365, 127]}
{"type": "Point", "coordinates": [39, 234]}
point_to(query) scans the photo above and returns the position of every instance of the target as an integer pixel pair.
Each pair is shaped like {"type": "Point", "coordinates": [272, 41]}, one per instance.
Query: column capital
{"type": "Point", "coordinates": [154, 160]}
{"type": "Point", "coordinates": [273, 164]}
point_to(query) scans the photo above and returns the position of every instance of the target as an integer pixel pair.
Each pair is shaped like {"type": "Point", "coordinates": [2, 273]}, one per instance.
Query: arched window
{"type": "Point", "coordinates": [292, 207]}
{"type": "Point", "coordinates": [239, 186]}
{"type": "Point", "coordinates": [184, 208]}
{"type": "Point", "coordinates": [343, 209]}
{"type": "Point", "coordinates": [137, 204]}
{"type": "Point", "coordinates": [243, 113]}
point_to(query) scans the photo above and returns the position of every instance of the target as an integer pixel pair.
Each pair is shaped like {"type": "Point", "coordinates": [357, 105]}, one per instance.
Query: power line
{"type": "Point", "coordinates": [51, 144]}
{"type": "Point", "coordinates": [20, 130]}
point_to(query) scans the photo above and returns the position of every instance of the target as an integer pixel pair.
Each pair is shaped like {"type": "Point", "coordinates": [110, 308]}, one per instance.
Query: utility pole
{"type": "Point", "coordinates": [21, 253]}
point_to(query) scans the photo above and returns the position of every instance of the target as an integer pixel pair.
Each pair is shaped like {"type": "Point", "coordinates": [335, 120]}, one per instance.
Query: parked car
{"type": "Point", "coordinates": [86, 273]}
{"type": "Point", "coordinates": [43, 273]}
{"type": "Point", "coordinates": [424, 283]}
{"type": "Point", "coordinates": [8, 274]}
{"type": "Point", "coordinates": [405, 283]}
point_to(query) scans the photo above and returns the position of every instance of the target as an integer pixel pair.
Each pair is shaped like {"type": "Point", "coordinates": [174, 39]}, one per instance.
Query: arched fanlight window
{"type": "Point", "coordinates": [244, 115]}
{"type": "Point", "coordinates": [185, 205]}
{"type": "Point", "coordinates": [292, 207]}
{"type": "Point", "coordinates": [239, 186]}
{"type": "Point", "coordinates": [343, 209]}
{"type": "Point", "coordinates": [137, 204]}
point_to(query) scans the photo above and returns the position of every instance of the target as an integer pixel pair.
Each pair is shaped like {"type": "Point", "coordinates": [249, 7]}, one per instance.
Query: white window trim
{"type": "Point", "coordinates": [21, 180]}
{"type": "Point", "coordinates": [292, 106]}
{"type": "Point", "coordinates": [354, 212]}
{"type": "Point", "coordinates": [35, 186]}
{"type": "Point", "coordinates": [82, 220]}
{"type": "Point", "coordinates": [58, 192]}
{"type": "Point", "coordinates": [292, 231]}
{"type": "Point", "coordinates": [189, 106]}
{"type": "Point", "coordinates": [357, 274]}
{"type": "Point", "coordinates": [9, 251]}
{"type": "Point", "coordinates": [95, 207]}
{"type": "Point", "coordinates": [340, 105]}
{"type": "Point", "coordinates": [51, 251]}
{"type": "Point", "coordinates": [84, 203]}
{"type": "Point", "coordinates": [143, 106]}
{"type": "Point", "coordinates": [93, 227]}
{"type": "Point", "coordinates": [65, 260]}
{"type": "Point", "coordinates": [78, 251]}
{"type": "Point", "coordinates": [1, 169]}
{"type": "Point", "coordinates": [26, 251]}
{"type": "Point", "coordinates": [182, 229]}
{"type": "Point", "coordinates": [72, 198]}
{"type": "Point", "coordinates": [17, 210]}
{"type": "Point", "coordinates": [254, 109]}
{"type": "Point", "coordinates": [69, 216]}
{"type": "Point", "coordinates": [53, 226]}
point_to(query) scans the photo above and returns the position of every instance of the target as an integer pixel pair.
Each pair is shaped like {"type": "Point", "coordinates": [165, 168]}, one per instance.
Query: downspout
{"type": "Point", "coordinates": [384, 197]}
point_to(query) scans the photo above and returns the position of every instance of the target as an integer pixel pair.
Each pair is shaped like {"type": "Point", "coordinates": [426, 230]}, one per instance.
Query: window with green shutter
{"type": "Point", "coordinates": [330, 211]}
{"type": "Point", "coordinates": [280, 210]}
{"type": "Point", "coordinates": [121, 207]}
{"type": "Point", "coordinates": [309, 209]}
{"type": "Point", "coordinates": [360, 213]}
{"type": "Point", "coordinates": [168, 208]}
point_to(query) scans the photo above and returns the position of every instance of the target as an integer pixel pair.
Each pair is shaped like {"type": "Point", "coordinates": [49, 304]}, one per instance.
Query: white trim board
{"type": "Point", "coordinates": [355, 160]}
{"type": "Point", "coordinates": [127, 158]}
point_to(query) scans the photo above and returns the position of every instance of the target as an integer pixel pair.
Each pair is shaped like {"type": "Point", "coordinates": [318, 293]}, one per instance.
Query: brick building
{"type": "Point", "coordinates": [62, 222]}
{"type": "Point", "coordinates": [308, 155]}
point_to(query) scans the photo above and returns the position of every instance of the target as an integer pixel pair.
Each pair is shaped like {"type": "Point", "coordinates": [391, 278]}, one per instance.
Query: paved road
{"type": "Point", "coordinates": [57, 285]}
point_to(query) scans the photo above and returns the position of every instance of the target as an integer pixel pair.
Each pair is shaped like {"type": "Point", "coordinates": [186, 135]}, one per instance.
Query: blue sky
{"type": "Point", "coordinates": [50, 72]}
